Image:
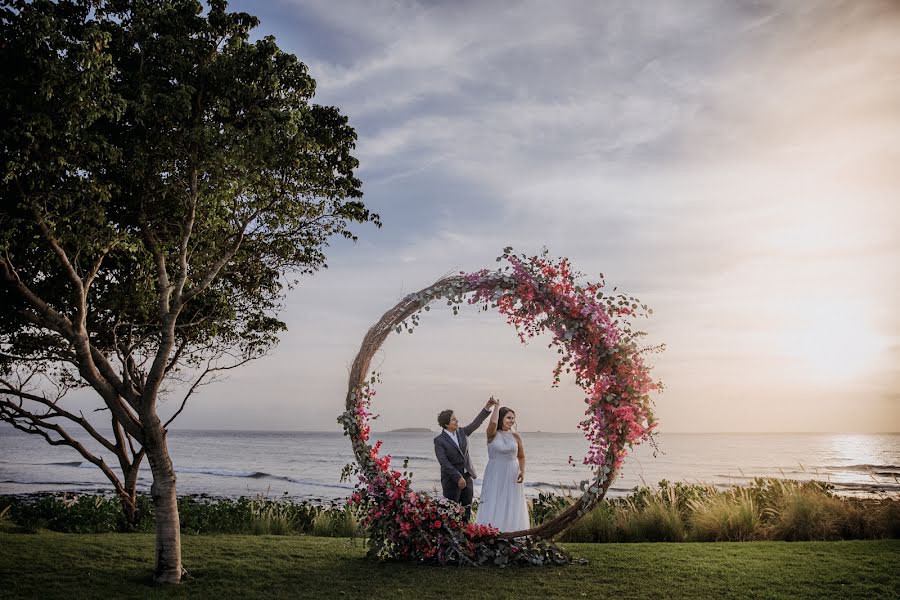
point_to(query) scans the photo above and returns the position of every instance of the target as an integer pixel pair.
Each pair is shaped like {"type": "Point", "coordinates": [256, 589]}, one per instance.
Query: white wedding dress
{"type": "Point", "coordinates": [502, 504]}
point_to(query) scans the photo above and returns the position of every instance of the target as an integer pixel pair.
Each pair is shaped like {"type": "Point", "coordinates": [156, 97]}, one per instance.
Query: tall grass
{"type": "Point", "coordinates": [272, 518]}
{"type": "Point", "coordinates": [5, 521]}
{"type": "Point", "coordinates": [769, 509]}
{"type": "Point", "coordinates": [728, 517]}
{"type": "Point", "coordinates": [810, 512]}
{"type": "Point", "coordinates": [655, 519]}
{"type": "Point", "coordinates": [335, 522]}
{"type": "Point", "coordinates": [641, 517]}
{"type": "Point", "coordinates": [599, 525]}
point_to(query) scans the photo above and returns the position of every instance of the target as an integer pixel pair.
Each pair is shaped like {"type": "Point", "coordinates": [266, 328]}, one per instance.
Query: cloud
{"type": "Point", "coordinates": [732, 163]}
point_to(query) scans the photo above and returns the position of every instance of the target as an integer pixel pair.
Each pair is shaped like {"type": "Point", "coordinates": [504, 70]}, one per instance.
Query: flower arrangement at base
{"type": "Point", "coordinates": [593, 334]}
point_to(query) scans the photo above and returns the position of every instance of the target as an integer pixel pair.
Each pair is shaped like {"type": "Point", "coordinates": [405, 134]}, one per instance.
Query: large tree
{"type": "Point", "coordinates": [163, 179]}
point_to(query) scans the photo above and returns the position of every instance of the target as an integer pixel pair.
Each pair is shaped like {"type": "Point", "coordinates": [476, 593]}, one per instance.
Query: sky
{"type": "Point", "coordinates": [732, 164]}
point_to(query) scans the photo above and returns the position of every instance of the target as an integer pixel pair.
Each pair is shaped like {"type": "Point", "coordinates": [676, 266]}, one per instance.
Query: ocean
{"type": "Point", "coordinates": [307, 465]}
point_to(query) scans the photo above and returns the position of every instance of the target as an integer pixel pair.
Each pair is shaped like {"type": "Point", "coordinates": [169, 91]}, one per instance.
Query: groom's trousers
{"type": "Point", "coordinates": [463, 496]}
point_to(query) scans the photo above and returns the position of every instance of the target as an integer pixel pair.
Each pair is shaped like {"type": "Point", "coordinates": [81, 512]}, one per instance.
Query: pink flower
{"type": "Point", "coordinates": [537, 296]}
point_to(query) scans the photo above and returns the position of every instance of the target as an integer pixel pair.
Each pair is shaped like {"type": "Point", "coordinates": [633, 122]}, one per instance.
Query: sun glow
{"type": "Point", "coordinates": [833, 342]}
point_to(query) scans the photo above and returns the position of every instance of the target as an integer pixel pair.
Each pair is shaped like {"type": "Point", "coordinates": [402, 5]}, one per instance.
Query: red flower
{"type": "Point", "coordinates": [537, 296]}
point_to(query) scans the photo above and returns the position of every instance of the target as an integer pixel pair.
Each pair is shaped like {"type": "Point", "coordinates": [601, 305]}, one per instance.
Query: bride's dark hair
{"type": "Point", "coordinates": [501, 415]}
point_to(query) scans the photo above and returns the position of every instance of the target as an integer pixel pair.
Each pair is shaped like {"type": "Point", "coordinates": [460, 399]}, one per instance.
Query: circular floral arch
{"type": "Point", "coordinates": [593, 334]}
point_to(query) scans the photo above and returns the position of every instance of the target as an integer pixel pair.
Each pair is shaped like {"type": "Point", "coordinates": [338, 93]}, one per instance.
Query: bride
{"type": "Point", "coordinates": [502, 503]}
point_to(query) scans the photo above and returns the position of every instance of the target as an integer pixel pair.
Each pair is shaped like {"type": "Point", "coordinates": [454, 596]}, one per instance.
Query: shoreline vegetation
{"type": "Point", "coordinates": [767, 510]}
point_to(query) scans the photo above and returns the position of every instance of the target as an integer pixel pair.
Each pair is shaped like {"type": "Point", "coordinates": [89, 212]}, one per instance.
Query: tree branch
{"type": "Point", "coordinates": [54, 411]}
{"type": "Point", "coordinates": [26, 421]}
{"type": "Point", "coordinates": [199, 381]}
{"type": "Point", "coordinates": [217, 266]}
{"type": "Point", "coordinates": [161, 272]}
{"type": "Point", "coordinates": [67, 266]}
{"type": "Point", "coordinates": [178, 353]}
{"type": "Point", "coordinates": [46, 317]}
{"type": "Point", "coordinates": [185, 240]}
{"type": "Point", "coordinates": [95, 268]}
{"type": "Point", "coordinates": [107, 383]}
{"type": "Point", "coordinates": [124, 444]}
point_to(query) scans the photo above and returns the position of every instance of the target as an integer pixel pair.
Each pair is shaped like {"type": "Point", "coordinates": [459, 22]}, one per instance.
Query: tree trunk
{"type": "Point", "coordinates": [165, 504]}
{"type": "Point", "coordinates": [129, 507]}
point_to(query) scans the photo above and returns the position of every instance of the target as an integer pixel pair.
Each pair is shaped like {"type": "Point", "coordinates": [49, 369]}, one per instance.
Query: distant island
{"type": "Point", "coordinates": [410, 430]}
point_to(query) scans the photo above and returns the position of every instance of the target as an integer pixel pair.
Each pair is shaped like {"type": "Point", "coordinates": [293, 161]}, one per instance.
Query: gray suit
{"type": "Point", "coordinates": [456, 463]}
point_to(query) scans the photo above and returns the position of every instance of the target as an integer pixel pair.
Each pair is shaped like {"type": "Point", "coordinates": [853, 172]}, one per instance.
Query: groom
{"type": "Point", "coordinates": [451, 447]}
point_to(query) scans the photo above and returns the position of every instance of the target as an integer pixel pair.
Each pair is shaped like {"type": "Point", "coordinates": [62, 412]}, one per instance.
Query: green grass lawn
{"type": "Point", "coordinates": [54, 565]}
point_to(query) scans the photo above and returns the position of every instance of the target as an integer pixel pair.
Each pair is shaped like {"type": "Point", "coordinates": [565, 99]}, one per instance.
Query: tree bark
{"type": "Point", "coordinates": [129, 497]}
{"type": "Point", "coordinates": [129, 507]}
{"type": "Point", "coordinates": [168, 567]}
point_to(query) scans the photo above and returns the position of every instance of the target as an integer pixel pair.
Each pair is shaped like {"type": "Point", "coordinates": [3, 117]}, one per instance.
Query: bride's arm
{"type": "Point", "coordinates": [492, 424]}
{"type": "Point", "coordinates": [521, 457]}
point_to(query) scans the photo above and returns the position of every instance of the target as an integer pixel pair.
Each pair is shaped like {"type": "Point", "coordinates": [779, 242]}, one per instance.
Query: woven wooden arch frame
{"type": "Point", "coordinates": [454, 289]}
